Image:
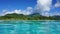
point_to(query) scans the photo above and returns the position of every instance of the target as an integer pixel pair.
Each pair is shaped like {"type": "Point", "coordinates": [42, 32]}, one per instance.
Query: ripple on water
{"type": "Point", "coordinates": [29, 27]}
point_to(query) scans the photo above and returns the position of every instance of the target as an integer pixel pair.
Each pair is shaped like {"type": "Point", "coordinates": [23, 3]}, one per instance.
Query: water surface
{"type": "Point", "coordinates": [29, 27]}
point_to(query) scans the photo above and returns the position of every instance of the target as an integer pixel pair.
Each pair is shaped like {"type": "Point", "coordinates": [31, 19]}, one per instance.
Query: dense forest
{"type": "Point", "coordinates": [36, 16]}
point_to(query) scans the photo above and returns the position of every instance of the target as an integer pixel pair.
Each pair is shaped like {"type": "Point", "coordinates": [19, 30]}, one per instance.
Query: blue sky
{"type": "Point", "coordinates": [16, 4]}
{"type": "Point", "coordinates": [26, 7]}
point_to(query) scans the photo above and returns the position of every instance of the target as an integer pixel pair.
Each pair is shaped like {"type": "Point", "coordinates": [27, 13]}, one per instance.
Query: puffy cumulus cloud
{"type": "Point", "coordinates": [3, 12]}
{"type": "Point", "coordinates": [56, 13]}
{"type": "Point", "coordinates": [27, 11]}
{"type": "Point", "coordinates": [44, 5]}
{"type": "Point", "coordinates": [10, 12]}
{"type": "Point", "coordinates": [57, 4]}
{"type": "Point", "coordinates": [15, 11]}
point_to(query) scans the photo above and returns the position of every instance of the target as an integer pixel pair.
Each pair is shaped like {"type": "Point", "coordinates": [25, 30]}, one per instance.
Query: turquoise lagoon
{"type": "Point", "coordinates": [29, 27]}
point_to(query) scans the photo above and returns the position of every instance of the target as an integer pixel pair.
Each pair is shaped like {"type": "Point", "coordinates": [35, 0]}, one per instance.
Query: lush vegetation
{"type": "Point", "coordinates": [36, 16]}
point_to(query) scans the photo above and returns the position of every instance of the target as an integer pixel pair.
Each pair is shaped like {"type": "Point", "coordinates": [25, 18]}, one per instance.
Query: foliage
{"type": "Point", "coordinates": [15, 16]}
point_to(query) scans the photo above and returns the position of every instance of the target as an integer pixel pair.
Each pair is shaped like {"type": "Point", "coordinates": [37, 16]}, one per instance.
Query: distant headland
{"type": "Point", "coordinates": [36, 16]}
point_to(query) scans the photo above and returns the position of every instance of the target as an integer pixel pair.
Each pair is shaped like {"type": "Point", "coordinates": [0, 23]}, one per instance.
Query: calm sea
{"type": "Point", "coordinates": [29, 27]}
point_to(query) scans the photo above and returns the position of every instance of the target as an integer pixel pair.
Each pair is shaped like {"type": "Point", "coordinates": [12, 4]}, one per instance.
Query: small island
{"type": "Point", "coordinates": [35, 16]}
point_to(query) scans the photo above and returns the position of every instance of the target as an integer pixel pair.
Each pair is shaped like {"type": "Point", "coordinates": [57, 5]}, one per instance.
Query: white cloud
{"type": "Point", "coordinates": [27, 11]}
{"type": "Point", "coordinates": [44, 5]}
{"type": "Point", "coordinates": [10, 12]}
{"type": "Point", "coordinates": [56, 13]}
{"type": "Point", "coordinates": [3, 12]}
{"type": "Point", "coordinates": [57, 4]}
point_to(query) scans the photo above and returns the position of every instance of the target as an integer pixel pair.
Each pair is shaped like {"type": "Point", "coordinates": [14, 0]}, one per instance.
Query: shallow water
{"type": "Point", "coordinates": [29, 27]}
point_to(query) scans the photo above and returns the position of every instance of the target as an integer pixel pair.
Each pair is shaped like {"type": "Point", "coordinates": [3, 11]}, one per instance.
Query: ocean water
{"type": "Point", "coordinates": [29, 27]}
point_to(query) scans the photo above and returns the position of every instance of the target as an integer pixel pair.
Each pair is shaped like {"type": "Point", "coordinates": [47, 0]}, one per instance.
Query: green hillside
{"type": "Point", "coordinates": [15, 16]}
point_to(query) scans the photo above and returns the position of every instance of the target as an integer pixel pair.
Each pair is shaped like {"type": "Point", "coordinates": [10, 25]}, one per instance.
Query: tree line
{"type": "Point", "coordinates": [15, 16]}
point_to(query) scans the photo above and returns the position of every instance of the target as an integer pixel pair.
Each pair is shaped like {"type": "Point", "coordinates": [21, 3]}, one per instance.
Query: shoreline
{"type": "Point", "coordinates": [26, 21]}
{"type": "Point", "coordinates": [29, 20]}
